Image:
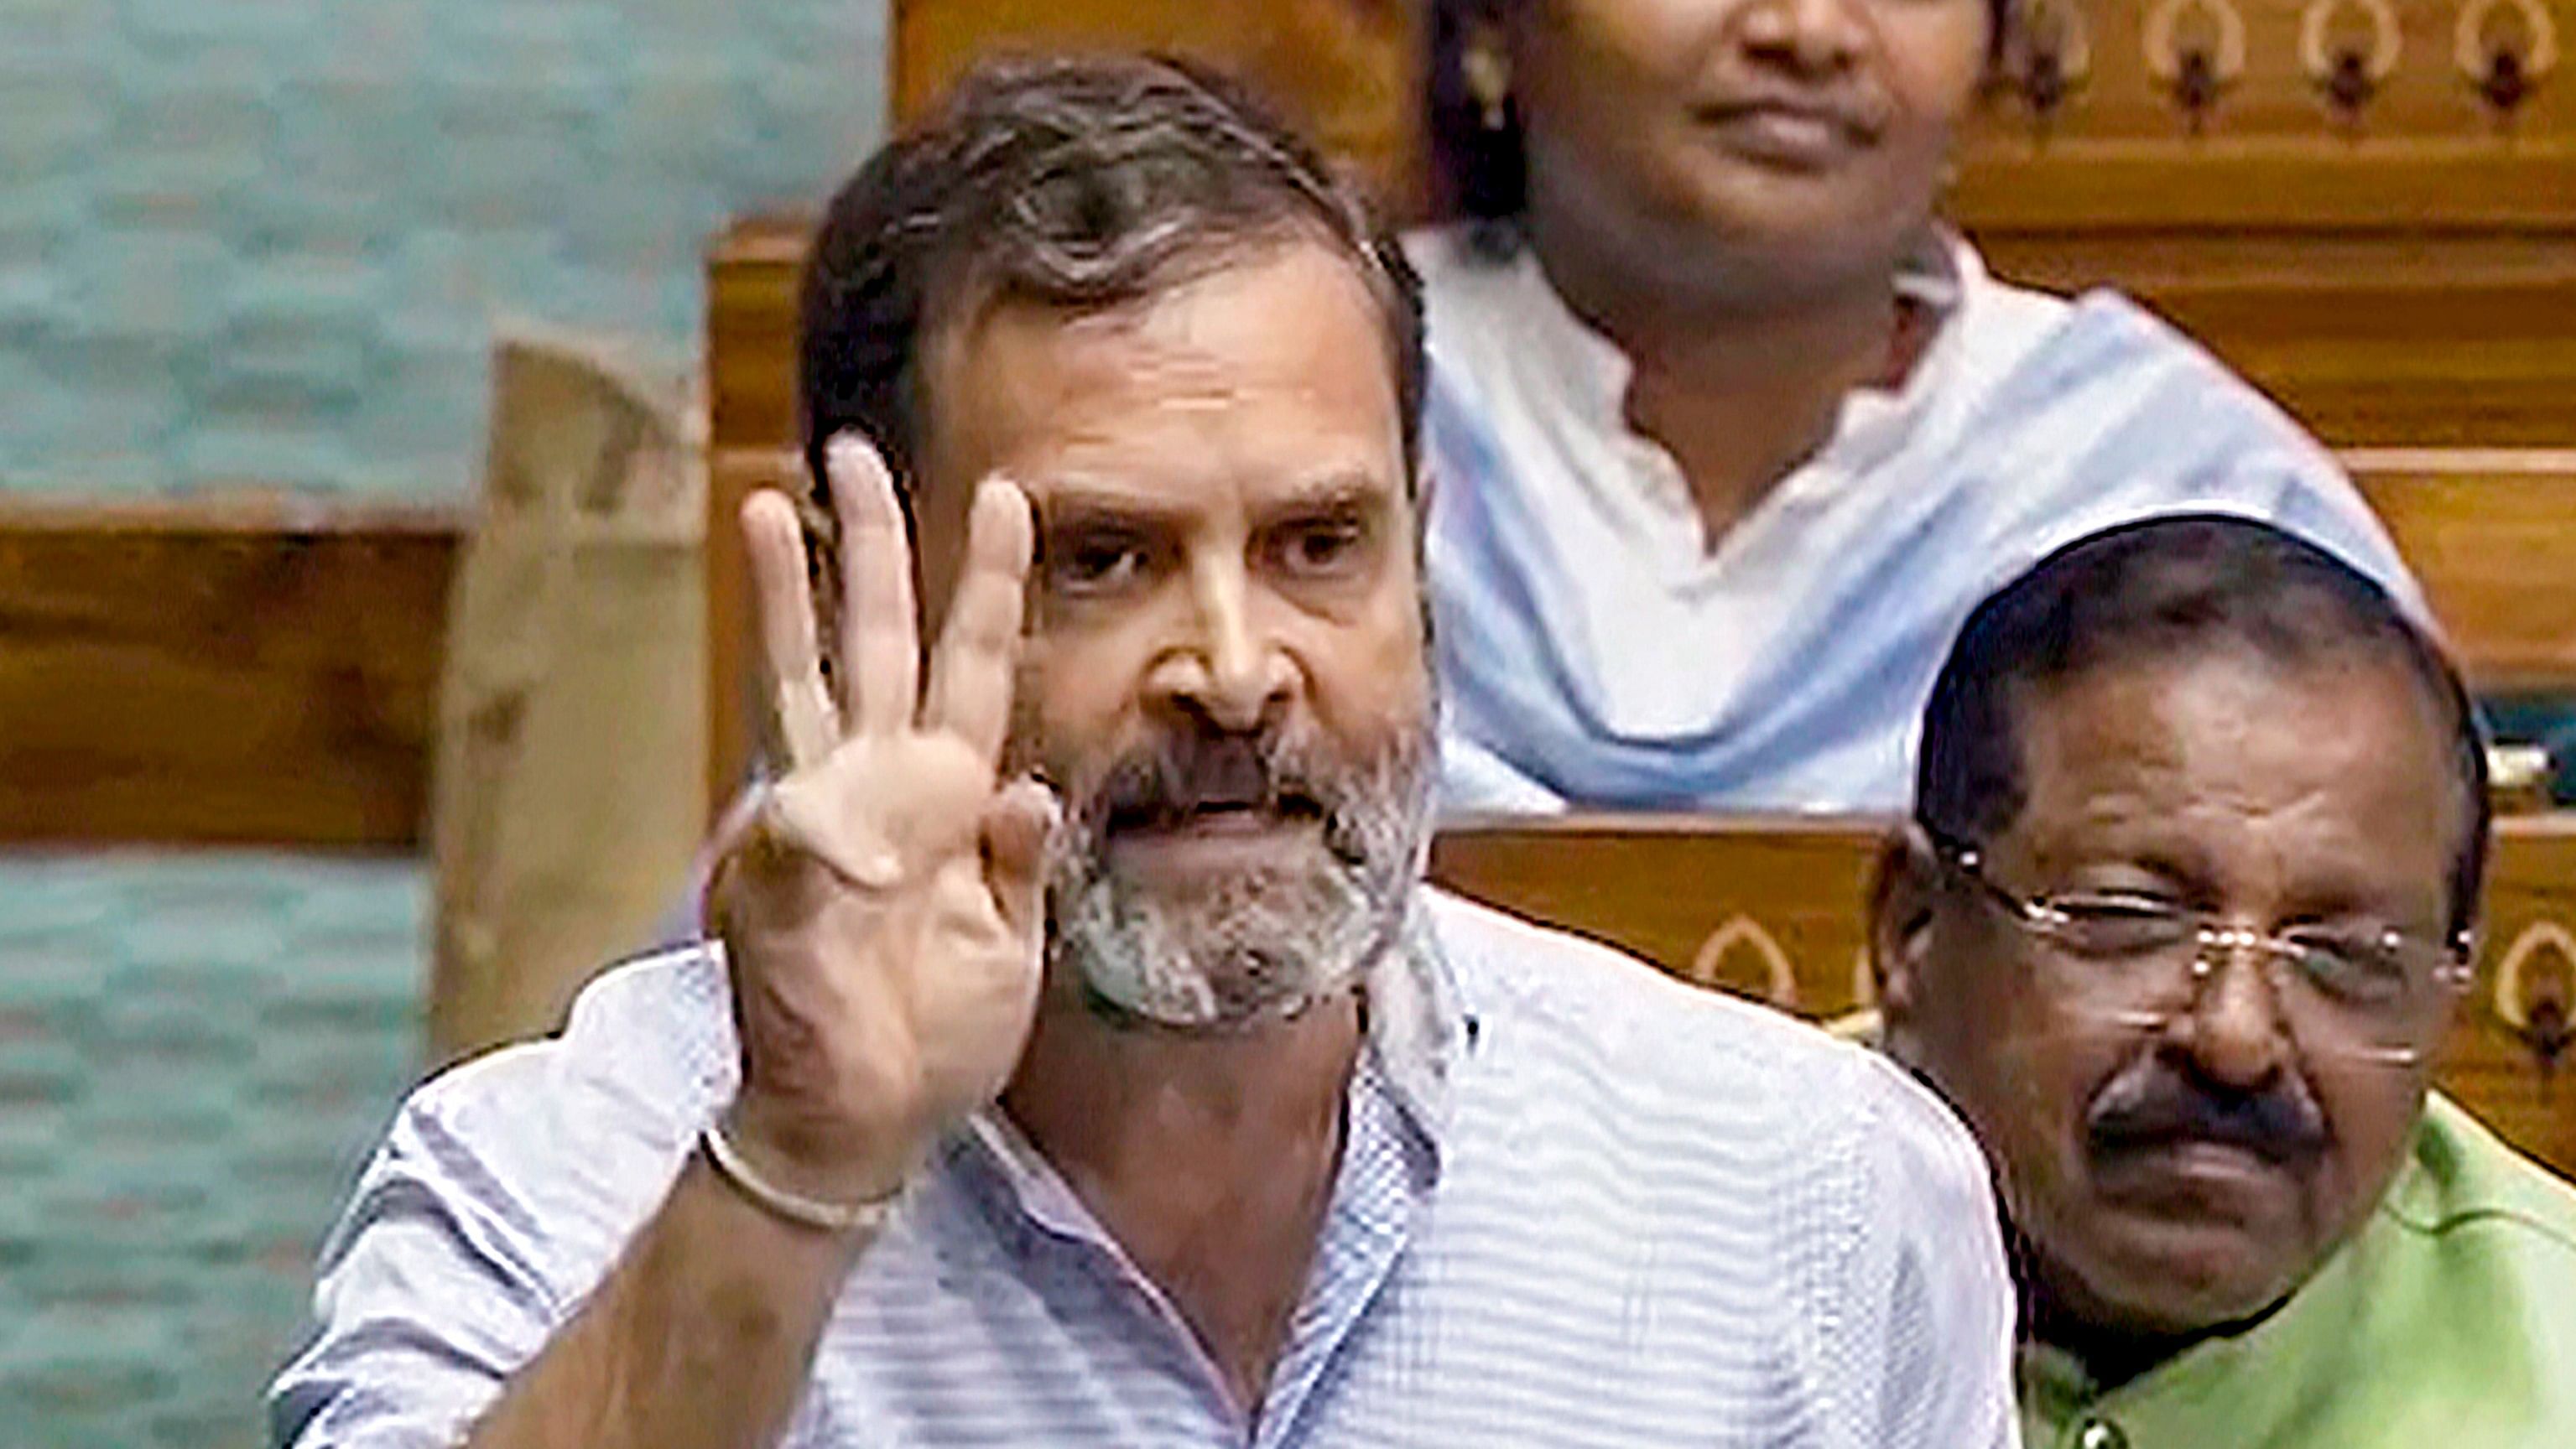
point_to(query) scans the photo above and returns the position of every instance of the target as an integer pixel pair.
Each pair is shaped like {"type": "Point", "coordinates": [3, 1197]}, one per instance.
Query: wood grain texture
{"type": "Point", "coordinates": [239, 670]}
{"type": "Point", "coordinates": [1341, 69]}
{"type": "Point", "coordinates": [1730, 902]}
{"type": "Point", "coordinates": [2422, 102]}
{"type": "Point", "coordinates": [2491, 534]}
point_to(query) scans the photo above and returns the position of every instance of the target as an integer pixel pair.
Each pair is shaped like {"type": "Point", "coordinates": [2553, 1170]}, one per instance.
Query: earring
{"type": "Point", "coordinates": [1489, 79]}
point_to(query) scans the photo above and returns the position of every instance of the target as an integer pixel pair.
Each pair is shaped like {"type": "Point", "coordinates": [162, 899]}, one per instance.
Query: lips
{"type": "Point", "coordinates": [1792, 129]}
{"type": "Point", "coordinates": [1226, 814]}
{"type": "Point", "coordinates": [2181, 1145]}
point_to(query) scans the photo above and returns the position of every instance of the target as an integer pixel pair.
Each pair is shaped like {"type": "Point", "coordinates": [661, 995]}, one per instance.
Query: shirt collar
{"type": "Point", "coordinates": [1418, 1026]}
{"type": "Point", "coordinates": [1568, 359]}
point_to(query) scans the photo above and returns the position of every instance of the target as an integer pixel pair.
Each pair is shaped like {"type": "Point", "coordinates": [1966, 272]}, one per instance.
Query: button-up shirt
{"type": "Point", "coordinates": [2448, 1322]}
{"type": "Point", "coordinates": [1577, 1204]}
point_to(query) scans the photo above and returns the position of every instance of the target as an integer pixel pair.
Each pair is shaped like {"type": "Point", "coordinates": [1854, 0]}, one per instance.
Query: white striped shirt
{"type": "Point", "coordinates": [1578, 1204]}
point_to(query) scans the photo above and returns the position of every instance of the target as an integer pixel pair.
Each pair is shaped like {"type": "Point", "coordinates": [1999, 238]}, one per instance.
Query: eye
{"type": "Point", "coordinates": [2362, 964]}
{"type": "Point", "coordinates": [1326, 546]}
{"type": "Point", "coordinates": [1095, 561]}
{"type": "Point", "coordinates": [2120, 925]}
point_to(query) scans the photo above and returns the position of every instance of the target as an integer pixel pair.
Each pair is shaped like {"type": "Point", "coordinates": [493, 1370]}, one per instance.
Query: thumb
{"type": "Point", "coordinates": [1017, 825]}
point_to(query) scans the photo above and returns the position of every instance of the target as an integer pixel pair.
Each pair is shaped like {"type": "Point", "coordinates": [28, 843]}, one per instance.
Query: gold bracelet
{"type": "Point", "coordinates": [838, 1219]}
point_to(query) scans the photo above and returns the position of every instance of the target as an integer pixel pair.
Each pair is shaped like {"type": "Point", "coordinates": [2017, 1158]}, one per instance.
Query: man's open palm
{"type": "Point", "coordinates": [884, 918]}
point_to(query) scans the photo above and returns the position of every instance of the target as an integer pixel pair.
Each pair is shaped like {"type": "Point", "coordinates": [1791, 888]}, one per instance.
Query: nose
{"type": "Point", "coordinates": [1812, 37]}
{"type": "Point", "coordinates": [1227, 670]}
{"type": "Point", "coordinates": [2237, 1035]}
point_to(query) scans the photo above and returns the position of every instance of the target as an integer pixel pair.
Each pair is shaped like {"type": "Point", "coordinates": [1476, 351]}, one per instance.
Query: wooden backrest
{"type": "Point", "coordinates": [1774, 909]}
{"type": "Point", "coordinates": [231, 670]}
{"type": "Point", "coordinates": [1343, 68]}
{"type": "Point", "coordinates": [2491, 534]}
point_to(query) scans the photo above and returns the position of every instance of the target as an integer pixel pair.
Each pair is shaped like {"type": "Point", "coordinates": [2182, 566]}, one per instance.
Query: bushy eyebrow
{"type": "Point", "coordinates": [1340, 493]}
{"type": "Point", "coordinates": [1335, 495]}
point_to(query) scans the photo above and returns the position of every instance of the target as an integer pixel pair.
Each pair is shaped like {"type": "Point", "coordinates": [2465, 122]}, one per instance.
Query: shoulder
{"type": "Point", "coordinates": [567, 1141]}
{"type": "Point", "coordinates": [2113, 343]}
{"type": "Point", "coordinates": [642, 1039]}
{"type": "Point", "coordinates": [1648, 1045]}
{"type": "Point", "coordinates": [1475, 298]}
{"type": "Point", "coordinates": [2119, 416]}
{"type": "Point", "coordinates": [2463, 1178]}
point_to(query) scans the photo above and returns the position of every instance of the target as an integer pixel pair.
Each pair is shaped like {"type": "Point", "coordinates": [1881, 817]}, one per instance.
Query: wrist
{"type": "Point", "coordinates": [818, 1161]}
{"type": "Point", "coordinates": [850, 1222]}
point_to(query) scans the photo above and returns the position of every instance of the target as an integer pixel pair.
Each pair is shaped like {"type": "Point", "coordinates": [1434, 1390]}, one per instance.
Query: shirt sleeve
{"type": "Point", "coordinates": [429, 1298]}
{"type": "Point", "coordinates": [1936, 1279]}
{"type": "Point", "coordinates": [476, 1232]}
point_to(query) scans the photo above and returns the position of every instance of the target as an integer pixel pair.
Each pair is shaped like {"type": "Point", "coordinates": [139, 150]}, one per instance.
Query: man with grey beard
{"type": "Point", "coordinates": [1083, 1061]}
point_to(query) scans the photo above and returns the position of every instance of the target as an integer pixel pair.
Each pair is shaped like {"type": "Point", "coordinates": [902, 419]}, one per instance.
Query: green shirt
{"type": "Point", "coordinates": [2448, 1322]}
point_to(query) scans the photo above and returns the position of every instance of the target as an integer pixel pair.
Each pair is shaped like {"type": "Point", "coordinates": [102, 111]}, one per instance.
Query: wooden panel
{"type": "Point", "coordinates": [751, 332]}
{"type": "Point", "coordinates": [2423, 108]}
{"type": "Point", "coordinates": [1343, 69]}
{"type": "Point", "coordinates": [2492, 536]}
{"type": "Point", "coordinates": [1774, 909]}
{"type": "Point", "coordinates": [751, 431]}
{"type": "Point", "coordinates": [735, 715]}
{"type": "Point", "coordinates": [2370, 339]}
{"type": "Point", "coordinates": [238, 671]}
{"type": "Point", "coordinates": [2397, 276]}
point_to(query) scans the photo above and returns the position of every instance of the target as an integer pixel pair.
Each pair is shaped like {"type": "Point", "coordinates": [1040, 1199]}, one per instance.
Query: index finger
{"type": "Point", "coordinates": [774, 546]}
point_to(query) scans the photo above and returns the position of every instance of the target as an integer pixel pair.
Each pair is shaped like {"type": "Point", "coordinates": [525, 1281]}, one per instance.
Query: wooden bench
{"type": "Point", "coordinates": [246, 670]}
{"type": "Point", "coordinates": [1774, 909]}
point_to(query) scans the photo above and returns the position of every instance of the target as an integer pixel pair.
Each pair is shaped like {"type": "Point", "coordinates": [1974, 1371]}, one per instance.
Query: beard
{"type": "Point", "coordinates": [1262, 942]}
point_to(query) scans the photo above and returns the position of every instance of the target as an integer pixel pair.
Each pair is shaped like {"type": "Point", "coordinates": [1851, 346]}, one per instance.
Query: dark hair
{"type": "Point", "coordinates": [1481, 173]}
{"type": "Point", "coordinates": [1088, 183]}
{"type": "Point", "coordinates": [2159, 588]}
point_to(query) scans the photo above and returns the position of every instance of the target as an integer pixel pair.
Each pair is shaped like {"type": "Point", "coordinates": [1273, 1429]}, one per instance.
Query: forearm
{"type": "Point", "coordinates": [702, 1337]}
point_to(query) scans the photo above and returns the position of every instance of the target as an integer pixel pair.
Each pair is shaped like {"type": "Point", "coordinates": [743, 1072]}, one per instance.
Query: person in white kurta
{"type": "Point", "coordinates": [1727, 433]}
{"type": "Point", "coordinates": [1593, 651]}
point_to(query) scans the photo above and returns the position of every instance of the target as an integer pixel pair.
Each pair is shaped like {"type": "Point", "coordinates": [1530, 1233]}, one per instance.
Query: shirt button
{"type": "Point", "coordinates": [2101, 1434]}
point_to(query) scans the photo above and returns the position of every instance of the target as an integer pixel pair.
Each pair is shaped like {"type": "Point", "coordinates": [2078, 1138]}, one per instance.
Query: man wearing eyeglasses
{"type": "Point", "coordinates": [2183, 913]}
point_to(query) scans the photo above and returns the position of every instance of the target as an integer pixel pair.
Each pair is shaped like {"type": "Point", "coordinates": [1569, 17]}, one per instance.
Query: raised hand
{"type": "Point", "coordinates": [883, 919]}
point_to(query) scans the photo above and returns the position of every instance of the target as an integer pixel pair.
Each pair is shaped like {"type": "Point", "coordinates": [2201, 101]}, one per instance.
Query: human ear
{"type": "Point", "coordinates": [1904, 886]}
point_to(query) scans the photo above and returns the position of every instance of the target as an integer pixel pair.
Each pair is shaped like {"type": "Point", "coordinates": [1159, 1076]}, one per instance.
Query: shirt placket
{"type": "Point", "coordinates": [1054, 1220]}
{"type": "Point", "coordinates": [1376, 1192]}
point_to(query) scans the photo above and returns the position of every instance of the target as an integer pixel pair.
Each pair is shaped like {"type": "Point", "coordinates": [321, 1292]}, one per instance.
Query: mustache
{"type": "Point", "coordinates": [1275, 769]}
{"type": "Point", "coordinates": [2158, 1106]}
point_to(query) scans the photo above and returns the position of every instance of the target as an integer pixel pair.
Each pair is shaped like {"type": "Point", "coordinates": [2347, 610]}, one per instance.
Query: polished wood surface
{"type": "Point", "coordinates": [1342, 69]}
{"type": "Point", "coordinates": [1775, 908]}
{"type": "Point", "coordinates": [751, 443]}
{"type": "Point", "coordinates": [2491, 534]}
{"type": "Point", "coordinates": [236, 670]}
{"type": "Point", "coordinates": [2421, 86]}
